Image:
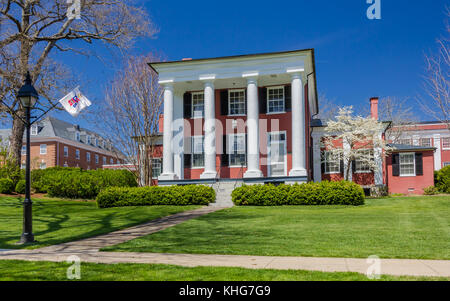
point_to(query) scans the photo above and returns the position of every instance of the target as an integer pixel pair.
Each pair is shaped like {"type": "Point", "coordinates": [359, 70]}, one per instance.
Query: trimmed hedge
{"type": "Point", "coordinates": [156, 195]}
{"type": "Point", "coordinates": [77, 183]}
{"type": "Point", "coordinates": [6, 186]}
{"type": "Point", "coordinates": [20, 187]}
{"type": "Point", "coordinates": [323, 193]}
{"type": "Point", "coordinates": [442, 179]}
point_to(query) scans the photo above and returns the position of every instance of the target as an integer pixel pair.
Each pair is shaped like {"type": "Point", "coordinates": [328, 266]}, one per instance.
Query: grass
{"type": "Point", "coordinates": [12, 270]}
{"type": "Point", "coordinates": [57, 221]}
{"type": "Point", "coordinates": [400, 227]}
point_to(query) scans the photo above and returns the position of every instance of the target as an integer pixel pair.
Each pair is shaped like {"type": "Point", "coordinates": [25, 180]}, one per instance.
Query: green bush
{"type": "Point", "coordinates": [156, 195]}
{"type": "Point", "coordinates": [77, 183]}
{"type": "Point", "coordinates": [20, 187]}
{"type": "Point", "coordinates": [6, 186]}
{"type": "Point", "coordinates": [323, 193]}
{"type": "Point", "coordinates": [442, 179]}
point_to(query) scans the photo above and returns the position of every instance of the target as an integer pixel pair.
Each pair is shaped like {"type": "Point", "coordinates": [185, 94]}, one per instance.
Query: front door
{"type": "Point", "coordinates": [277, 154]}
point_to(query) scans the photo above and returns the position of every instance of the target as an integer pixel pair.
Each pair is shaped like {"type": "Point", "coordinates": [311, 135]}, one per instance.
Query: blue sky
{"type": "Point", "coordinates": [356, 58]}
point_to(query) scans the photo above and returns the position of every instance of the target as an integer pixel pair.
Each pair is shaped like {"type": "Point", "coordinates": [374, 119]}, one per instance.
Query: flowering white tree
{"type": "Point", "coordinates": [361, 138]}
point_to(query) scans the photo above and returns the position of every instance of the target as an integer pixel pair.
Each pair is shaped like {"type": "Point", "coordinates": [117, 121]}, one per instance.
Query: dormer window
{"type": "Point", "coordinates": [96, 142]}
{"type": "Point", "coordinates": [77, 136]}
{"type": "Point", "coordinates": [34, 130]}
{"type": "Point", "coordinates": [88, 139]}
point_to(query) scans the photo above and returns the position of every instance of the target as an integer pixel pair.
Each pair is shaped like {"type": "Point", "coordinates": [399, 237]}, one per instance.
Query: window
{"type": "Point", "coordinates": [43, 165]}
{"type": "Point", "coordinates": [77, 154]}
{"type": "Point", "coordinates": [34, 130]}
{"type": "Point", "coordinates": [43, 149]}
{"type": "Point", "coordinates": [362, 166]}
{"type": "Point", "coordinates": [96, 159]}
{"type": "Point", "coordinates": [446, 164]}
{"type": "Point", "coordinates": [198, 151]}
{"type": "Point", "coordinates": [66, 151]}
{"type": "Point", "coordinates": [275, 99]}
{"type": "Point", "coordinates": [197, 104]}
{"type": "Point", "coordinates": [77, 136]}
{"type": "Point", "coordinates": [446, 142]}
{"type": "Point", "coordinates": [96, 142]}
{"type": "Point", "coordinates": [404, 141]}
{"type": "Point", "coordinates": [425, 141]}
{"type": "Point", "coordinates": [236, 102]}
{"type": "Point", "coordinates": [104, 160]}
{"type": "Point", "coordinates": [24, 150]}
{"type": "Point", "coordinates": [407, 164]}
{"type": "Point", "coordinates": [23, 165]}
{"type": "Point", "coordinates": [237, 149]}
{"type": "Point", "coordinates": [156, 167]}
{"type": "Point", "coordinates": [88, 139]}
{"type": "Point", "coordinates": [332, 163]}
{"type": "Point", "coordinates": [65, 164]}
{"type": "Point", "coordinates": [103, 144]}
{"type": "Point", "coordinates": [88, 156]}
{"type": "Point", "coordinates": [111, 161]}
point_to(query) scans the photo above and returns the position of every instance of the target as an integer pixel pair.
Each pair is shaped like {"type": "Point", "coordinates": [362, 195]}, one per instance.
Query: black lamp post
{"type": "Point", "coordinates": [28, 97]}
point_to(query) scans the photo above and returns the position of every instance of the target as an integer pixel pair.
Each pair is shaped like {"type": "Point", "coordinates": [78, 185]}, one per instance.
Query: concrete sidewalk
{"type": "Point", "coordinates": [88, 251]}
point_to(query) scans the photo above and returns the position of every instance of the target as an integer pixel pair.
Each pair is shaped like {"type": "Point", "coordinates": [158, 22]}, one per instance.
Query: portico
{"type": "Point", "coordinates": [206, 100]}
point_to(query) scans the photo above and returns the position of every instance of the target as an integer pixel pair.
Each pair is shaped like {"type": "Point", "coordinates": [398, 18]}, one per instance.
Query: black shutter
{"type": "Point", "coordinates": [395, 165]}
{"type": "Point", "coordinates": [322, 162]}
{"type": "Point", "coordinates": [262, 100]}
{"type": "Point", "coordinates": [287, 98]}
{"type": "Point", "coordinates": [245, 102]}
{"type": "Point", "coordinates": [224, 102]}
{"type": "Point", "coordinates": [187, 160]}
{"type": "Point", "coordinates": [419, 164]}
{"type": "Point", "coordinates": [353, 166]}
{"type": "Point", "coordinates": [246, 156]}
{"type": "Point", "coordinates": [341, 165]}
{"type": "Point", "coordinates": [187, 105]}
{"type": "Point", "coordinates": [225, 159]}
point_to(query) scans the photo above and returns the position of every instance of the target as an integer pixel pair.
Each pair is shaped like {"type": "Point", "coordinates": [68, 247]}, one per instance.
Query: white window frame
{"type": "Point", "coordinates": [111, 161]}
{"type": "Point", "coordinates": [444, 164]}
{"type": "Point", "coordinates": [402, 139]}
{"type": "Point", "coordinates": [269, 140]}
{"type": "Point", "coordinates": [229, 102]}
{"type": "Point", "coordinates": [194, 153]}
{"type": "Point", "coordinates": [325, 162]}
{"type": "Point", "coordinates": [96, 159]}
{"type": "Point", "coordinates": [268, 101]}
{"type": "Point", "coordinates": [77, 154]}
{"type": "Point", "coordinates": [88, 157]}
{"type": "Point", "coordinates": [400, 164]}
{"type": "Point", "coordinates": [41, 152]}
{"type": "Point", "coordinates": [43, 163]}
{"type": "Point", "coordinates": [427, 138]}
{"type": "Point", "coordinates": [88, 140]}
{"type": "Point", "coordinates": [156, 161]}
{"type": "Point", "coordinates": [192, 104]}
{"type": "Point", "coordinates": [66, 151]}
{"type": "Point", "coordinates": [104, 160]}
{"type": "Point", "coordinates": [448, 146]}
{"type": "Point", "coordinates": [356, 165]}
{"type": "Point", "coordinates": [230, 146]}
{"type": "Point", "coordinates": [34, 130]}
{"type": "Point", "coordinates": [77, 136]}
{"type": "Point", "coordinates": [24, 150]}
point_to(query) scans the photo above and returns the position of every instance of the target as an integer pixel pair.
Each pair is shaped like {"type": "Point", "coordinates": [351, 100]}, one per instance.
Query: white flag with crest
{"type": "Point", "coordinates": [75, 102]}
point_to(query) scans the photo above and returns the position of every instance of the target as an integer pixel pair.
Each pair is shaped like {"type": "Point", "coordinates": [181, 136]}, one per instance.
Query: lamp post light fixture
{"type": "Point", "coordinates": [28, 97]}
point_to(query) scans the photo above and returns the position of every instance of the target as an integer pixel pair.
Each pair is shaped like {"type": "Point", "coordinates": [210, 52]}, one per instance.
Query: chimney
{"type": "Point", "coordinates": [186, 59]}
{"type": "Point", "coordinates": [374, 108]}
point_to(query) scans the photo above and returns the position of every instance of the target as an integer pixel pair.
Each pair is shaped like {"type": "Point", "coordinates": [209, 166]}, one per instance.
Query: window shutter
{"type": "Point", "coordinates": [224, 160]}
{"type": "Point", "coordinates": [395, 165]}
{"type": "Point", "coordinates": [322, 162]}
{"type": "Point", "coordinates": [187, 160]}
{"type": "Point", "coordinates": [287, 98]}
{"type": "Point", "coordinates": [245, 102]}
{"type": "Point", "coordinates": [246, 156]}
{"type": "Point", "coordinates": [187, 105]}
{"type": "Point", "coordinates": [341, 165]}
{"type": "Point", "coordinates": [353, 166]}
{"type": "Point", "coordinates": [224, 102]}
{"type": "Point", "coordinates": [262, 100]}
{"type": "Point", "coordinates": [419, 164]}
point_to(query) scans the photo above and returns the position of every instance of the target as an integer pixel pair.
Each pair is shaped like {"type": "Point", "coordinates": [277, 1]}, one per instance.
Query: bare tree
{"type": "Point", "coordinates": [399, 112]}
{"type": "Point", "coordinates": [131, 113]}
{"type": "Point", "coordinates": [328, 108]}
{"type": "Point", "coordinates": [437, 80]}
{"type": "Point", "coordinates": [32, 30]}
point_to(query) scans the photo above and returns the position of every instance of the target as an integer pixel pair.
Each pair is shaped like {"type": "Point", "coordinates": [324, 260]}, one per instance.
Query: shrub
{"type": "Point", "coordinates": [156, 195]}
{"type": "Point", "coordinates": [323, 193]}
{"type": "Point", "coordinates": [77, 183]}
{"type": "Point", "coordinates": [6, 186]}
{"type": "Point", "coordinates": [431, 190]}
{"type": "Point", "coordinates": [20, 187]}
{"type": "Point", "coordinates": [442, 179]}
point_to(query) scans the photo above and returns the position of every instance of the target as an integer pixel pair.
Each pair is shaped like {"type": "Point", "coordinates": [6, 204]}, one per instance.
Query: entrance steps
{"type": "Point", "coordinates": [223, 194]}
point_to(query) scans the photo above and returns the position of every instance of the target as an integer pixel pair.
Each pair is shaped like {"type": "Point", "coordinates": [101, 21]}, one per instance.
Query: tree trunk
{"type": "Point", "coordinates": [16, 139]}
{"type": "Point", "coordinates": [347, 173]}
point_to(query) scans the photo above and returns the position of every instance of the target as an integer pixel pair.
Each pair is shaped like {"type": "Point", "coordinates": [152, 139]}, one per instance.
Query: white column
{"type": "Point", "coordinates": [210, 133]}
{"type": "Point", "coordinates": [298, 127]}
{"type": "Point", "coordinates": [253, 170]}
{"type": "Point", "coordinates": [168, 173]}
{"type": "Point", "coordinates": [437, 153]}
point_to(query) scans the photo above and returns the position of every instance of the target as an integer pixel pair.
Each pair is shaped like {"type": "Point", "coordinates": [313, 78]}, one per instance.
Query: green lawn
{"type": "Point", "coordinates": [29, 271]}
{"type": "Point", "coordinates": [56, 221]}
{"type": "Point", "coordinates": [398, 227]}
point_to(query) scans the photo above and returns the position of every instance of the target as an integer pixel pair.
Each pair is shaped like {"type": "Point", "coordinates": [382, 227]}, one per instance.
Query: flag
{"type": "Point", "coordinates": [74, 102]}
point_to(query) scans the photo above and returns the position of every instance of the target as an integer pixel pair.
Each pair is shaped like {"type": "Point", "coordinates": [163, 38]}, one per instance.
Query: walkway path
{"type": "Point", "coordinates": [88, 251]}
